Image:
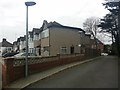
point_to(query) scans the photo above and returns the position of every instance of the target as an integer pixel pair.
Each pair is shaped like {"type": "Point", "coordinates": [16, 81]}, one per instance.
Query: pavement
{"type": "Point", "coordinates": [24, 82]}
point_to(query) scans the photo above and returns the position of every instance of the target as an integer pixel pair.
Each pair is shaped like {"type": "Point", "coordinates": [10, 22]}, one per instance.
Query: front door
{"type": "Point", "coordinates": [39, 51]}
{"type": "Point", "coordinates": [72, 50]}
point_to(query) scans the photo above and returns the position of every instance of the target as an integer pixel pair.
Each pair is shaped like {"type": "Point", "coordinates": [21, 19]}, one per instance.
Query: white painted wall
{"type": "Point", "coordinates": [22, 45]}
{"type": "Point", "coordinates": [2, 49]}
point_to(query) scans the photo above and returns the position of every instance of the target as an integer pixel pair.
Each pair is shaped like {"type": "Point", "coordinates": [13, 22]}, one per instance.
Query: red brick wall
{"type": "Point", "coordinates": [11, 73]}
{"type": "Point", "coordinates": [33, 68]}
{"type": "Point", "coordinates": [7, 71]}
{"type": "Point", "coordinates": [101, 47]}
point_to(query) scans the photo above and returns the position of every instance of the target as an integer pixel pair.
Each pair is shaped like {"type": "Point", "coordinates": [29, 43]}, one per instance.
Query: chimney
{"type": "Point", "coordinates": [45, 21]}
{"type": "Point", "coordinates": [4, 39]}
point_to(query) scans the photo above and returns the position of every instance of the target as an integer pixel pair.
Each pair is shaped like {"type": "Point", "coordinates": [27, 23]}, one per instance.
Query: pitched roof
{"type": "Point", "coordinates": [31, 34]}
{"type": "Point", "coordinates": [5, 43]}
{"type": "Point", "coordinates": [21, 39]}
{"type": "Point", "coordinates": [18, 39]}
{"type": "Point", "coordinates": [88, 35]}
{"type": "Point", "coordinates": [56, 24]}
{"type": "Point", "coordinates": [75, 28]}
{"type": "Point", "coordinates": [53, 24]}
{"type": "Point", "coordinates": [15, 42]}
{"type": "Point", "coordinates": [36, 30]}
{"type": "Point", "coordinates": [98, 41]}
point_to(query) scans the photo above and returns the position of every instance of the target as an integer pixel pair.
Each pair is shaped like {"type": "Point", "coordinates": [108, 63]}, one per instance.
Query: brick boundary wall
{"type": "Point", "coordinates": [14, 69]}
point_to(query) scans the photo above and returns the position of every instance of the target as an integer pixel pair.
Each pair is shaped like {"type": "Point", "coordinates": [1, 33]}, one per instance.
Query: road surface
{"type": "Point", "coordinates": [100, 73]}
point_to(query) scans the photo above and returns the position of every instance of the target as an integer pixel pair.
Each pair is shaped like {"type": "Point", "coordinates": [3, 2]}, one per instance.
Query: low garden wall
{"type": "Point", "coordinates": [14, 68]}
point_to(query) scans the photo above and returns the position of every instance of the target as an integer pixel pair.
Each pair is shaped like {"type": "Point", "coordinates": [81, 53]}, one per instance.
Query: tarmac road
{"type": "Point", "coordinates": [100, 73]}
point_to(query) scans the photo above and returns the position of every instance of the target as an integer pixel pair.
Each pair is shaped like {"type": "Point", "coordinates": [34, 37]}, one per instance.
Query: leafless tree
{"type": "Point", "coordinates": [90, 26]}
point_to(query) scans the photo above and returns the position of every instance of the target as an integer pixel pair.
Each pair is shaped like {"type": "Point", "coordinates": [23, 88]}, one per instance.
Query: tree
{"type": "Point", "coordinates": [107, 48]}
{"type": "Point", "coordinates": [90, 26]}
{"type": "Point", "coordinates": [110, 23]}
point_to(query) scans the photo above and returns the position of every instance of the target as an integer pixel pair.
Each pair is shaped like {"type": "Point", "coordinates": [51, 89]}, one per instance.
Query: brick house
{"type": "Point", "coordinates": [5, 46]}
{"type": "Point", "coordinates": [59, 39]}
{"type": "Point", "coordinates": [100, 45]}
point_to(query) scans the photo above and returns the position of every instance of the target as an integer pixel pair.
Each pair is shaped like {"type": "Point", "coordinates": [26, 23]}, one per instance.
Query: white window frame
{"type": "Point", "coordinates": [45, 33]}
{"type": "Point", "coordinates": [36, 37]}
{"type": "Point", "coordinates": [63, 50]}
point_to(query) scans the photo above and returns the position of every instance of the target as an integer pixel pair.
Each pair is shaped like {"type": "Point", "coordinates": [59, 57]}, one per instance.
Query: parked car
{"type": "Point", "coordinates": [24, 54]}
{"type": "Point", "coordinates": [9, 54]}
{"type": "Point", "coordinates": [104, 54]}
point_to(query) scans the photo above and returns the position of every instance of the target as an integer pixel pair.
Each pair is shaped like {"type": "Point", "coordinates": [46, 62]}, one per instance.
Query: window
{"type": "Point", "coordinates": [39, 36]}
{"type": "Point", "coordinates": [42, 35]}
{"type": "Point", "coordinates": [31, 39]}
{"type": "Point", "coordinates": [8, 49]}
{"type": "Point", "coordinates": [36, 37]}
{"type": "Point", "coordinates": [45, 33]}
{"type": "Point", "coordinates": [46, 48]}
{"type": "Point", "coordinates": [63, 50]}
{"type": "Point", "coordinates": [31, 50]}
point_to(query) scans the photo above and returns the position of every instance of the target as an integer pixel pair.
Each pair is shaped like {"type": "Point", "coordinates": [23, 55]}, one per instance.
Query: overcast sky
{"type": "Point", "coordinates": [66, 12]}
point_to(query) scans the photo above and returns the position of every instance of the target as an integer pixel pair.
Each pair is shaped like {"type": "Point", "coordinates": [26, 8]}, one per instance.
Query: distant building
{"type": "Point", "coordinates": [100, 45]}
{"type": "Point", "coordinates": [5, 46]}
{"type": "Point", "coordinates": [15, 46]}
{"type": "Point", "coordinates": [30, 42]}
{"type": "Point", "coordinates": [34, 41]}
{"type": "Point", "coordinates": [20, 44]}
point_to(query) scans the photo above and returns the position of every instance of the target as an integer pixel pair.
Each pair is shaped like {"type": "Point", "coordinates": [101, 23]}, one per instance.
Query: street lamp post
{"type": "Point", "coordinates": [26, 58]}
